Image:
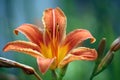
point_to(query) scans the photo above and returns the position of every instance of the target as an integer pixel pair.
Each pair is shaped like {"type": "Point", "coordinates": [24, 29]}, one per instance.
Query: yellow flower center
{"type": "Point", "coordinates": [53, 50]}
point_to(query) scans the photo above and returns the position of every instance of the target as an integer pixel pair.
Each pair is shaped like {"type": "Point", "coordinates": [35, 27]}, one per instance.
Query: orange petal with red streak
{"type": "Point", "coordinates": [31, 32]}
{"type": "Point", "coordinates": [81, 53]}
{"type": "Point", "coordinates": [54, 22]}
{"type": "Point", "coordinates": [76, 37]}
{"type": "Point", "coordinates": [23, 46]}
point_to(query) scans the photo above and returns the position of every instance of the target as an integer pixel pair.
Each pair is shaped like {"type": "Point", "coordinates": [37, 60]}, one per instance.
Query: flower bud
{"type": "Point", "coordinates": [115, 45]}
{"type": "Point", "coordinates": [105, 62]}
{"type": "Point", "coordinates": [101, 48]}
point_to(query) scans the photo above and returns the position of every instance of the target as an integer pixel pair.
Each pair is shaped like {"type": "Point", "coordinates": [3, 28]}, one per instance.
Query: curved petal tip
{"type": "Point", "coordinates": [44, 64]}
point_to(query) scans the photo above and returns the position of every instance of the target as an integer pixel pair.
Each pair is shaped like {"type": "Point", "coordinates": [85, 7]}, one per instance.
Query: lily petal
{"type": "Point", "coordinates": [54, 22]}
{"type": "Point", "coordinates": [44, 63]}
{"type": "Point", "coordinates": [80, 53]}
{"type": "Point", "coordinates": [31, 32]}
{"type": "Point", "coordinates": [23, 46]}
{"type": "Point", "coordinates": [77, 36]}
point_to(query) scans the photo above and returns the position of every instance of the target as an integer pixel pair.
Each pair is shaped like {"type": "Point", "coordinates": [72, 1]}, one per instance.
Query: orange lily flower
{"type": "Point", "coordinates": [52, 47]}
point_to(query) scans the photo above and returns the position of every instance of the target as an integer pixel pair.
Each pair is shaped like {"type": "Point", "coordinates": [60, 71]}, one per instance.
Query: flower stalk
{"type": "Point", "coordinates": [62, 72]}
{"type": "Point", "coordinates": [54, 75]}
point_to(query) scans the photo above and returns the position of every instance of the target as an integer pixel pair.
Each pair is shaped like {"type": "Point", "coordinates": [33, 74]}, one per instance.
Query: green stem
{"type": "Point", "coordinates": [62, 72]}
{"type": "Point", "coordinates": [54, 75]}
{"type": "Point", "coordinates": [91, 78]}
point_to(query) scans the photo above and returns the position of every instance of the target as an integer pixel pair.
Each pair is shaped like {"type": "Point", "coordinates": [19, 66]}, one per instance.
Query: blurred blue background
{"type": "Point", "coordinates": [100, 17]}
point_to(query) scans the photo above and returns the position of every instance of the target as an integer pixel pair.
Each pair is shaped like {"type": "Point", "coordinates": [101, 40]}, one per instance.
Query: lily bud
{"type": "Point", "coordinates": [115, 45]}
{"type": "Point", "coordinates": [101, 48]}
{"type": "Point", "coordinates": [105, 62]}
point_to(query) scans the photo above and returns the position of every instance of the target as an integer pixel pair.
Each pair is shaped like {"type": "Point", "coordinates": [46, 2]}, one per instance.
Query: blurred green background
{"type": "Point", "coordinates": [100, 17]}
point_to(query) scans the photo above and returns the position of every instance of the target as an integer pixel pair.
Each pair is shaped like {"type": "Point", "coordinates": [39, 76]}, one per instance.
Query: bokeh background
{"type": "Point", "coordinates": [100, 17]}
